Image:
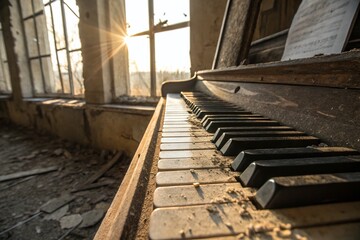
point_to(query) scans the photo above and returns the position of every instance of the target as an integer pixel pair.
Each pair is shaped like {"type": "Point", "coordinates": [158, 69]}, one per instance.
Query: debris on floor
{"type": "Point", "coordinates": [52, 188]}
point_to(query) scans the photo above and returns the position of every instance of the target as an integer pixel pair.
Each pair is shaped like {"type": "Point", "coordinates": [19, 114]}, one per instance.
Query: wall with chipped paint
{"type": "Point", "coordinates": [103, 127]}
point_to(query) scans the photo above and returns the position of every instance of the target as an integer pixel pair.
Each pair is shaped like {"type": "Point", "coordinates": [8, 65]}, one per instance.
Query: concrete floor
{"type": "Point", "coordinates": [22, 150]}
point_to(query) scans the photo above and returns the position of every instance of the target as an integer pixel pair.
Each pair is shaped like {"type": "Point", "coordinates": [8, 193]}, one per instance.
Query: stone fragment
{"type": "Point", "coordinates": [91, 217]}
{"type": "Point", "coordinates": [70, 221]}
{"type": "Point", "coordinates": [58, 213]}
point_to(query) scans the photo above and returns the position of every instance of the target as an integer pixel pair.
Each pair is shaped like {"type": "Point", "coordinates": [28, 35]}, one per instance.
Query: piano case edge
{"type": "Point", "coordinates": [119, 217]}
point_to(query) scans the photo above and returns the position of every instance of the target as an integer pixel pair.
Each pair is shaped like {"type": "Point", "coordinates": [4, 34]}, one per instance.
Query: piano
{"type": "Point", "coordinates": [248, 150]}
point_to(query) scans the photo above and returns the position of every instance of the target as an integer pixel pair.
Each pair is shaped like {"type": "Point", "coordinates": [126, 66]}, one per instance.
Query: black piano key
{"type": "Point", "coordinates": [282, 192]}
{"type": "Point", "coordinates": [245, 158]}
{"type": "Point", "coordinates": [239, 114]}
{"type": "Point", "coordinates": [227, 135]}
{"type": "Point", "coordinates": [197, 109]}
{"type": "Point", "coordinates": [214, 125]}
{"type": "Point", "coordinates": [258, 172]}
{"type": "Point", "coordinates": [209, 120]}
{"type": "Point", "coordinates": [221, 130]}
{"type": "Point", "coordinates": [202, 113]}
{"type": "Point", "coordinates": [235, 145]}
{"type": "Point", "coordinates": [217, 109]}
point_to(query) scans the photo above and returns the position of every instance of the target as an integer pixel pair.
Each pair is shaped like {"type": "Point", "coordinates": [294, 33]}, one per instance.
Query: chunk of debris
{"type": "Point", "coordinates": [58, 152]}
{"type": "Point", "coordinates": [285, 226]}
{"type": "Point", "coordinates": [212, 209]}
{"type": "Point", "coordinates": [67, 154]}
{"type": "Point", "coordinates": [196, 184]}
{"type": "Point", "coordinates": [70, 221]}
{"type": "Point", "coordinates": [284, 233]}
{"type": "Point", "coordinates": [59, 213]}
{"type": "Point", "coordinates": [56, 203]}
{"type": "Point", "coordinates": [27, 173]}
{"type": "Point", "coordinates": [91, 217]}
{"type": "Point", "coordinates": [182, 233]}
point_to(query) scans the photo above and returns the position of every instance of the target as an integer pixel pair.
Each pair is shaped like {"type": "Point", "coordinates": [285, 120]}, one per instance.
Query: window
{"type": "Point", "coordinates": [158, 43]}
{"type": "Point", "coordinates": [53, 46]}
{"type": "Point", "coordinates": [5, 85]}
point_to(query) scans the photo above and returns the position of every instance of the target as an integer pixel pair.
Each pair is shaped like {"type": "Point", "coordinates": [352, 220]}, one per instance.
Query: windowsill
{"type": "Point", "coordinates": [139, 109]}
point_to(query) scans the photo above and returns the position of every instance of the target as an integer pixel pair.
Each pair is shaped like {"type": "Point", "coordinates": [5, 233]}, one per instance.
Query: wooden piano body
{"type": "Point", "coordinates": [319, 96]}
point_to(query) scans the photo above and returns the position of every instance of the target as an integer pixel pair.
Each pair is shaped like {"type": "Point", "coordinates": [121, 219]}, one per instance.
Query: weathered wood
{"type": "Point", "coordinates": [114, 223]}
{"type": "Point", "coordinates": [103, 169]}
{"type": "Point", "coordinates": [234, 42]}
{"type": "Point", "coordinates": [338, 70]}
{"type": "Point", "coordinates": [27, 173]}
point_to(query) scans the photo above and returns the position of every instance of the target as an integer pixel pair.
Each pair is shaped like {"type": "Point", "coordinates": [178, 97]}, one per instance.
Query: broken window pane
{"type": "Point", "coordinates": [43, 39]}
{"type": "Point", "coordinates": [48, 74]}
{"type": "Point", "coordinates": [139, 65]}
{"type": "Point", "coordinates": [63, 63]}
{"type": "Point", "coordinates": [58, 25]}
{"type": "Point", "coordinates": [137, 16]}
{"type": "Point", "coordinates": [37, 76]}
{"type": "Point", "coordinates": [31, 38]}
{"type": "Point", "coordinates": [72, 23]}
{"type": "Point", "coordinates": [26, 8]}
{"type": "Point", "coordinates": [172, 56]}
{"type": "Point", "coordinates": [77, 72]}
{"type": "Point", "coordinates": [170, 12]}
{"type": "Point", "coordinates": [5, 85]}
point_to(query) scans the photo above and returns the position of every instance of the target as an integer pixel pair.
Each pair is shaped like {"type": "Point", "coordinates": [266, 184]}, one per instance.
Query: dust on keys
{"type": "Point", "coordinates": [203, 194]}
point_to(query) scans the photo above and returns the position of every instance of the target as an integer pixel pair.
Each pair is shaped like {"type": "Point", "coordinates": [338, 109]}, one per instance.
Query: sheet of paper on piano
{"type": "Point", "coordinates": [320, 27]}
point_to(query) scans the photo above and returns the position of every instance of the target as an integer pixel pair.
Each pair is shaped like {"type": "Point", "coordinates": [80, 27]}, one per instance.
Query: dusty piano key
{"type": "Point", "coordinates": [198, 112]}
{"type": "Point", "coordinates": [214, 125]}
{"type": "Point", "coordinates": [183, 129]}
{"type": "Point", "coordinates": [235, 145]}
{"type": "Point", "coordinates": [245, 158]}
{"type": "Point", "coordinates": [192, 163]}
{"type": "Point", "coordinates": [204, 194]}
{"type": "Point", "coordinates": [282, 192]}
{"type": "Point", "coordinates": [238, 114]}
{"type": "Point", "coordinates": [178, 124]}
{"type": "Point", "coordinates": [186, 146]}
{"type": "Point", "coordinates": [202, 176]}
{"type": "Point", "coordinates": [185, 139]}
{"type": "Point", "coordinates": [209, 120]}
{"type": "Point", "coordinates": [208, 153]}
{"type": "Point", "coordinates": [227, 135]}
{"type": "Point", "coordinates": [197, 109]}
{"type": "Point", "coordinates": [185, 134]}
{"type": "Point", "coordinates": [221, 130]}
{"type": "Point", "coordinates": [258, 172]}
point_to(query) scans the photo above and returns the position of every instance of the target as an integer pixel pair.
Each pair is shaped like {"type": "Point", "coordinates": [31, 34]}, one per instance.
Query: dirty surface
{"type": "Point", "coordinates": [21, 150]}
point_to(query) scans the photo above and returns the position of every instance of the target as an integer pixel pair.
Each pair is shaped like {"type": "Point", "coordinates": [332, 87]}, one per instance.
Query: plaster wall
{"type": "Point", "coordinates": [103, 127]}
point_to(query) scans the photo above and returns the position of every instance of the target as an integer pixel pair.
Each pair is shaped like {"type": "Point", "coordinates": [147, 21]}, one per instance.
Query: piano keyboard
{"type": "Point", "coordinates": [224, 172]}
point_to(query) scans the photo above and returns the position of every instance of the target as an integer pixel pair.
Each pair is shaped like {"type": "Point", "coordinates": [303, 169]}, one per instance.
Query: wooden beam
{"type": "Point", "coordinates": [236, 33]}
{"type": "Point", "coordinates": [338, 70]}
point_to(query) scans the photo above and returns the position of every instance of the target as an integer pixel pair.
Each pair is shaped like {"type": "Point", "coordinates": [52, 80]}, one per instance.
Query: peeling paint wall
{"type": "Point", "coordinates": [100, 127]}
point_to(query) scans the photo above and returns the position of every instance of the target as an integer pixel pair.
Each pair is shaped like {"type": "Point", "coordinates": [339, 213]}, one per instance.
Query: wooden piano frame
{"type": "Point", "coordinates": [318, 95]}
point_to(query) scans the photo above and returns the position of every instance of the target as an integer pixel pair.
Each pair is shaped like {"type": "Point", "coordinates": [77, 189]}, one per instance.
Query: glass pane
{"type": "Point", "coordinates": [42, 35]}
{"type": "Point", "coordinates": [172, 56]}
{"type": "Point", "coordinates": [5, 85]}
{"type": "Point", "coordinates": [139, 65]}
{"type": "Point", "coordinates": [77, 72]}
{"type": "Point", "coordinates": [26, 8]}
{"type": "Point", "coordinates": [38, 6]}
{"type": "Point", "coordinates": [137, 16]}
{"type": "Point", "coordinates": [31, 38]}
{"type": "Point", "coordinates": [72, 24]}
{"type": "Point", "coordinates": [49, 75]}
{"type": "Point", "coordinates": [170, 12]}
{"type": "Point", "coordinates": [64, 70]}
{"type": "Point", "coordinates": [37, 78]}
{"type": "Point", "coordinates": [58, 24]}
